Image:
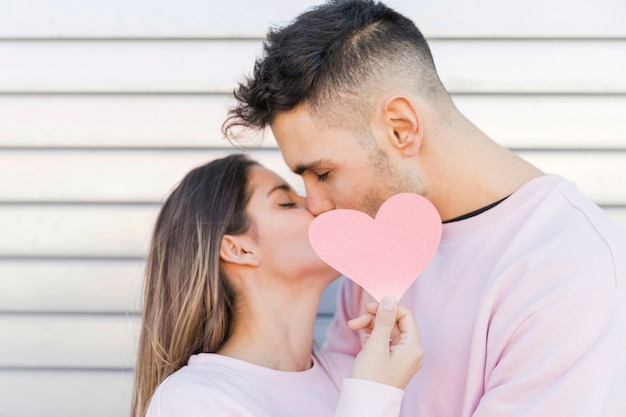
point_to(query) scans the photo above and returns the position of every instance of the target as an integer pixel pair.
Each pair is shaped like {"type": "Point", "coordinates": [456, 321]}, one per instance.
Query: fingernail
{"type": "Point", "coordinates": [388, 303]}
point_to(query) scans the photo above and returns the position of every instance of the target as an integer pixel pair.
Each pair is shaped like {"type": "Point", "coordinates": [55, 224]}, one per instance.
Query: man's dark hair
{"type": "Point", "coordinates": [337, 53]}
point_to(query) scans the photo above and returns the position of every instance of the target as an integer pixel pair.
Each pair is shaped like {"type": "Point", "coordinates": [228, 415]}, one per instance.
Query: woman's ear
{"type": "Point", "coordinates": [403, 125]}
{"type": "Point", "coordinates": [239, 250]}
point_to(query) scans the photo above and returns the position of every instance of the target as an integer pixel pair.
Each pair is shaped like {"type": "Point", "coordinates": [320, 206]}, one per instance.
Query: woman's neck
{"type": "Point", "coordinates": [275, 329]}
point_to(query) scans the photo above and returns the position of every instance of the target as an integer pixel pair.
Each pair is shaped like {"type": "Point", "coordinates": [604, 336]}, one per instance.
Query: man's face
{"type": "Point", "coordinates": [340, 168]}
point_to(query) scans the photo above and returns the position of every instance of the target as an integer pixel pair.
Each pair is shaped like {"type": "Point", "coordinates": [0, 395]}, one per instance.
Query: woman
{"type": "Point", "coordinates": [231, 295]}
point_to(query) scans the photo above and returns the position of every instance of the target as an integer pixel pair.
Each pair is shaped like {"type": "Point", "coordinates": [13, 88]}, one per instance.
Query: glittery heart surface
{"type": "Point", "coordinates": [384, 255]}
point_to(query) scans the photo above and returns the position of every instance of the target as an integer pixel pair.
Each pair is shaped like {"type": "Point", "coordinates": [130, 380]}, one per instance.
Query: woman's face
{"type": "Point", "coordinates": [280, 223]}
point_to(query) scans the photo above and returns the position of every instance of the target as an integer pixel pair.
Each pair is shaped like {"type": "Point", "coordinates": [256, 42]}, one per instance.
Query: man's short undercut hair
{"type": "Point", "coordinates": [334, 57]}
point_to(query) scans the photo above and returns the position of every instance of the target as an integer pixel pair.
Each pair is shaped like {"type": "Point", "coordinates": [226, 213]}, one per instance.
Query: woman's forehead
{"type": "Point", "coordinates": [261, 178]}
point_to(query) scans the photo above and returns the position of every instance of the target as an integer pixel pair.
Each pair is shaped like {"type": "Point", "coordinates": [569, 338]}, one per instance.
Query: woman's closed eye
{"type": "Point", "coordinates": [289, 204]}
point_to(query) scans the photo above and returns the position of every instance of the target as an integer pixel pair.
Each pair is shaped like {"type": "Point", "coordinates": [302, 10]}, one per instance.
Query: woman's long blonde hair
{"type": "Point", "coordinates": [188, 302]}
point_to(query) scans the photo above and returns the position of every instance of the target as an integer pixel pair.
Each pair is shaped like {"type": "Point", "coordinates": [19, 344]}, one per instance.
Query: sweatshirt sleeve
{"type": "Point", "coordinates": [360, 398]}
{"type": "Point", "coordinates": [567, 359]}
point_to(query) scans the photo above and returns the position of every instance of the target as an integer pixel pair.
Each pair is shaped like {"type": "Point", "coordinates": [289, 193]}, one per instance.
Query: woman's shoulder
{"type": "Point", "coordinates": [196, 389]}
{"type": "Point", "coordinates": [217, 385]}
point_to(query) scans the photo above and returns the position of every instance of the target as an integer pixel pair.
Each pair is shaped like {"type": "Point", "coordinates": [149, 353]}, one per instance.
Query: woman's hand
{"type": "Point", "coordinates": [393, 351]}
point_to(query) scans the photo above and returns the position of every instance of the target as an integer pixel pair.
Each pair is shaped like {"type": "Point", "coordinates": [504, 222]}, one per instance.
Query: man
{"type": "Point", "coordinates": [523, 309]}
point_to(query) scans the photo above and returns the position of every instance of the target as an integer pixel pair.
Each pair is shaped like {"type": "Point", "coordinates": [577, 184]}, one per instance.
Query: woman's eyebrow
{"type": "Point", "coordinates": [283, 187]}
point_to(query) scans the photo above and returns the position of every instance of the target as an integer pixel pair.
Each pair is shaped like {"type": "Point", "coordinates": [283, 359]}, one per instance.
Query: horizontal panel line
{"type": "Point", "coordinates": [134, 314]}
{"type": "Point", "coordinates": [535, 93]}
{"type": "Point", "coordinates": [226, 94]}
{"type": "Point", "coordinates": [39, 203]}
{"type": "Point", "coordinates": [54, 313]}
{"type": "Point", "coordinates": [182, 38]}
{"type": "Point", "coordinates": [577, 150]}
{"type": "Point", "coordinates": [261, 147]}
{"type": "Point", "coordinates": [199, 148]}
{"type": "Point", "coordinates": [104, 204]}
{"type": "Point", "coordinates": [612, 206]}
{"type": "Point", "coordinates": [122, 204]}
{"type": "Point", "coordinates": [68, 258]}
{"type": "Point", "coordinates": [115, 93]}
{"type": "Point", "coordinates": [568, 94]}
{"type": "Point", "coordinates": [63, 148]}
{"type": "Point", "coordinates": [64, 369]}
{"type": "Point", "coordinates": [150, 149]}
{"type": "Point", "coordinates": [493, 37]}
{"type": "Point", "coordinates": [533, 38]}
{"type": "Point", "coordinates": [256, 149]}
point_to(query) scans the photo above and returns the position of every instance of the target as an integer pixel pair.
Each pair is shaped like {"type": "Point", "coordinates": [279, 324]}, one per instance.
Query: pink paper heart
{"type": "Point", "coordinates": [384, 255]}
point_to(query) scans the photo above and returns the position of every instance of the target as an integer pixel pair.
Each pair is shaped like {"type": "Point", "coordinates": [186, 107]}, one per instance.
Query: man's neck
{"type": "Point", "coordinates": [468, 171]}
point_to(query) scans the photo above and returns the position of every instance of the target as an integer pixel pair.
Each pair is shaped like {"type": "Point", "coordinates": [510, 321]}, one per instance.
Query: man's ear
{"type": "Point", "coordinates": [403, 125]}
{"type": "Point", "coordinates": [239, 250]}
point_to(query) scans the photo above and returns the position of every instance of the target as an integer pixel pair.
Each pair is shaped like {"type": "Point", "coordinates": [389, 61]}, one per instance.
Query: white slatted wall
{"type": "Point", "coordinates": [104, 105]}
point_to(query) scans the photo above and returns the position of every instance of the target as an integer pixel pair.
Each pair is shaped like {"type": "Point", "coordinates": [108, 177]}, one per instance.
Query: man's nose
{"type": "Point", "coordinates": [318, 204]}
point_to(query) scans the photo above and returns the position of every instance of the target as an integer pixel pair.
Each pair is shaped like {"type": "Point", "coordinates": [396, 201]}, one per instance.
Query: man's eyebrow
{"type": "Point", "coordinates": [307, 167]}
{"type": "Point", "coordinates": [283, 187]}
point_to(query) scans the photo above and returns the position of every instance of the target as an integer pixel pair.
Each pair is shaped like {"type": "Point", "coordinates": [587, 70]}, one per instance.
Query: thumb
{"type": "Point", "coordinates": [385, 320]}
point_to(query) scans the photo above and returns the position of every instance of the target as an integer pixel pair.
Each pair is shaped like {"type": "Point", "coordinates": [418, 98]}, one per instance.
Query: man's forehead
{"type": "Point", "coordinates": [299, 114]}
